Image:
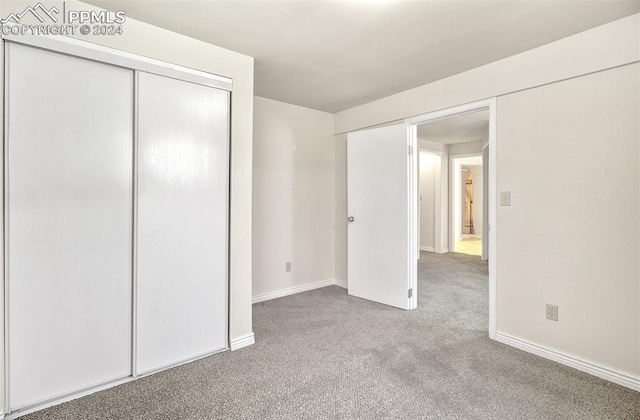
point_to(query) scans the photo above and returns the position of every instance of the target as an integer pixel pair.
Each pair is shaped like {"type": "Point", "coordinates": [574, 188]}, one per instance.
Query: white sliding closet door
{"type": "Point", "coordinates": [183, 155]}
{"type": "Point", "coordinates": [68, 189]}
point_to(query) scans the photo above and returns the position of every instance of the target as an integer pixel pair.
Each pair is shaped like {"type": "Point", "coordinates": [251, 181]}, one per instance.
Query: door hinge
{"type": "Point", "coordinates": [410, 149]}
{"type": "Point", "coordinates": [410, 293]}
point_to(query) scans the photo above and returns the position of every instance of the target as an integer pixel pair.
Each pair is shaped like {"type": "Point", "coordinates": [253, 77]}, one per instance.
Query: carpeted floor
{"type": "Point", "coordinates": [325, 355]}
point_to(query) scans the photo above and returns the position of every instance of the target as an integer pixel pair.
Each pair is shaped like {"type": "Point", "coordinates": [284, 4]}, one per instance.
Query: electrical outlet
{"type": "Point", "coordinates": [287, 266]}
{"type": "Point", "coordinates": [552, 312]}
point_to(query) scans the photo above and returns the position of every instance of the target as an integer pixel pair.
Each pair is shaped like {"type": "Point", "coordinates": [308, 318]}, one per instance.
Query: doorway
{"type": "Point", "coordinates": [460, 223]}
{"type": "Point", "coordinates": [468, 204]}
{"type": "Point", "coordinates": [465, 138]}
{"type": "Point", "coordinates": [383, 205]}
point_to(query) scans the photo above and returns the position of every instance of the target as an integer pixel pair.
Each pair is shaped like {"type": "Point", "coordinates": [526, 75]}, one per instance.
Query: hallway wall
{"type": "Point", "coordinates": [428, 169]}
{"type": "Point", "coordinates": [293, 196]}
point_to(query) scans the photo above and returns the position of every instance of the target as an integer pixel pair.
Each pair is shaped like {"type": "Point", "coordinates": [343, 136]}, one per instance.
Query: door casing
{"type": "Point", "coordinates": [490, 105]}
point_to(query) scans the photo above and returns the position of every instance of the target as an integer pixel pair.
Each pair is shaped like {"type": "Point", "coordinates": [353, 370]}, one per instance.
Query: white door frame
{"type": "Point", "coordinates": [490, 105]}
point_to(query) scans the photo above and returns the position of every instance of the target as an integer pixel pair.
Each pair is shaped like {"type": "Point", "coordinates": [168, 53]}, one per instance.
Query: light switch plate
{"type": "Point", "coordinates": [505, 198]}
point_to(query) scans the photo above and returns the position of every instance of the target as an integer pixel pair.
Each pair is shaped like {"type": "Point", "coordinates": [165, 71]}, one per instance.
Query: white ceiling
{"type": "Point", "coordinates": [457, 129]}
{"type": "Point", "coordinates": [333, 55]}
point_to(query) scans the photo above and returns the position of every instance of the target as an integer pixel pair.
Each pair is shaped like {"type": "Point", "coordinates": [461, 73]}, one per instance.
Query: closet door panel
{"type": "Point", "coordinates": [69, 223]}
{"type": "Point", "coordinates": [182, 221]}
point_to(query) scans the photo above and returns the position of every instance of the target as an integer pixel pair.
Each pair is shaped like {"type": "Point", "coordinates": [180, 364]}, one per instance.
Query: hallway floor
{"type": "Point", "coordinates": [470, 246]}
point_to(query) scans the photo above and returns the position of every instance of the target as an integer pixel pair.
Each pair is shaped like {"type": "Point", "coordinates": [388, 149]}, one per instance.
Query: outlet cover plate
{"type": "Point", "coordinates": [552, 312]}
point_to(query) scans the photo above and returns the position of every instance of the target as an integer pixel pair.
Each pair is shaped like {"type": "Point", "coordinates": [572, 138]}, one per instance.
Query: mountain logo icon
{"type": "Point", "coordinates": [38, 11]}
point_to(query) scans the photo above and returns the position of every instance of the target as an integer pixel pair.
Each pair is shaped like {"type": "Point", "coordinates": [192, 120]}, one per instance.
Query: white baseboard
{"type": "Point", "coordinates": [238, 343]}
{"type": "Point", "coordinates": [427, 248]}
{"type": "Point", "coordinates": [444, 251]}
{"type": "Point", "coordinates": [298, 289]}
{"type": "Point", "coordinates": [340, 283]}
{"type": "Point", "coordinates": [572, 361]}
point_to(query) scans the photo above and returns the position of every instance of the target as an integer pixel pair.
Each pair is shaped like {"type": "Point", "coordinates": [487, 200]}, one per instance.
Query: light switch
{"type": "Point", "coordinates": [505, 198]}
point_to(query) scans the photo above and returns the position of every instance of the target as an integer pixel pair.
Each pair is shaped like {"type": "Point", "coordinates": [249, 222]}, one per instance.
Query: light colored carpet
{"type": "Point", "coordinates": [325, 355]}
{"type": "Point", "coordinates": [471, 246]}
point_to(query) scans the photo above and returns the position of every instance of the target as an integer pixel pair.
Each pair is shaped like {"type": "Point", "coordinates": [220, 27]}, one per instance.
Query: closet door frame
{"type": "Point", "coordinates": [83, 49]}
{"type": "Point", "coordinates": [89, 51]}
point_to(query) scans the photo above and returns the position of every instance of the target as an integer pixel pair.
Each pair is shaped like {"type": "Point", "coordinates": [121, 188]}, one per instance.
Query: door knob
{"type": "Point", "coordinates": [351, 218]}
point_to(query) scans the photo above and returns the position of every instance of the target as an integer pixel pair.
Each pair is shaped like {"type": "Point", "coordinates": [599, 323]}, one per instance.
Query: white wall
{"type": "Point", "coordinates": [443, 151]}
{"type": "Point", "coordinates": [558, 275]}
{"type": "Point", "coordinates": [569, 153]}
{"type": "Point", "coordinates": [293, 196]}
{"type": "Point", "coordinates": [428, 169]}
{"type": "Point", "coordinates": [143, 39]}
{"type": "Point", "coordinates": [432, 146]}
{"type": "Point", "coordinates": [470, 147]}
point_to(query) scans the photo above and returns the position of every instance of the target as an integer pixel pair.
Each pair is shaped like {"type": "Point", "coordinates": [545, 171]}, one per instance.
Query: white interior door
{"type": "Point", "coordinates": [183, 155]}
{"type": "Point", "coordinates": [382, 204]}
{"type": "Point", "coordinates": [68, 191]}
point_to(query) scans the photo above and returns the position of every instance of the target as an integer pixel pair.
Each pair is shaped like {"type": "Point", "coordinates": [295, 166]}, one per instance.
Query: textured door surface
{"type": "Point", "coordinates": [68, 210]}
{"type": "Point", "coordinates": [379, 241]}
{"type": "Point", "coordinates": [183, 155]}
